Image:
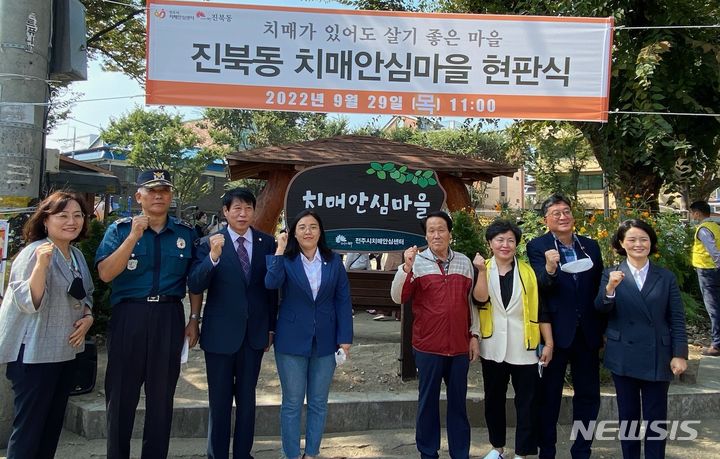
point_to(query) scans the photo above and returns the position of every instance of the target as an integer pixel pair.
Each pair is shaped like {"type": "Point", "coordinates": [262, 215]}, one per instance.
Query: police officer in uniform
{"type": "Point", "coordinates": [147, 259]}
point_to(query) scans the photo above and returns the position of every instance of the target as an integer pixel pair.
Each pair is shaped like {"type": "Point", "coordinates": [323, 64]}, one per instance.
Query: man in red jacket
{"type": "Point", "coordinates": [445, 338]}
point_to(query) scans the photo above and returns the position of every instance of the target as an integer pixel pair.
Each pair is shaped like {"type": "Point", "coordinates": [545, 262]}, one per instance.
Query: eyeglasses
{"type": "Point", "coordinates": [66, 216]}
{"type": "Point", "coordinates": [556, 214]}
{"type": "Point", "coordinates": [311, 228]}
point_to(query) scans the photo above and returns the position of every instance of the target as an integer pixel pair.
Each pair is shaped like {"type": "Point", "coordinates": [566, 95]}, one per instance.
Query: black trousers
{"type": "Point", "coordinates": [41, 394]}
{"type": "Point", "coordinates": [144, 345]}
{"type": "Point", "coordinates": [496, 376]}
{"type": "Point", "coordinates": [634, 395]}
{"type": "Point", "coordinates": [585, 372]}
{"type": "Point", "coordinates": [232, 376]}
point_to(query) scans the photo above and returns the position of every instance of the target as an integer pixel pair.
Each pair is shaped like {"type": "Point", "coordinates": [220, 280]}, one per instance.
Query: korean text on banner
{"type": "Point", "coordinates": [425, 64]}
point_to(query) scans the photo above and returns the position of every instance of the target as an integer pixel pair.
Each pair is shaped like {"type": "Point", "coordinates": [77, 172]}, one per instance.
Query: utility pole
{"type": "Point", "coordinates": [25, 34]}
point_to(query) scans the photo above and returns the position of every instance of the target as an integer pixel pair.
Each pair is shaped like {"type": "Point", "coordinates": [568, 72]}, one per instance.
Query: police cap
{"type": "Point", "coordinates": [154, 177]}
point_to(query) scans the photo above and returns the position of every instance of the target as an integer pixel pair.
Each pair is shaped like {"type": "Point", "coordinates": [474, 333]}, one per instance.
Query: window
{"type": "Point", "coordinates": [130, 175]}
{"type": "Point", "coordinates": [586, 182]}
{"type": "Point", "coordinates": [590, 182]}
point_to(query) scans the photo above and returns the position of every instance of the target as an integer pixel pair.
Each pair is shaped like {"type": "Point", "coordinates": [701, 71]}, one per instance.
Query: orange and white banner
{"type": "Point", "coordinates": [424, 64]}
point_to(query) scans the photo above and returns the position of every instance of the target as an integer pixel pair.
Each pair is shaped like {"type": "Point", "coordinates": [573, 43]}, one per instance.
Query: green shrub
{"type": "Point", "coordinates": [468, 236]}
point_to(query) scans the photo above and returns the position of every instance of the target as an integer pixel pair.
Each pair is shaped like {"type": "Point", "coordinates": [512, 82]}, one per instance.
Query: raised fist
{"type": "Point", "coordinates": [217, 241]}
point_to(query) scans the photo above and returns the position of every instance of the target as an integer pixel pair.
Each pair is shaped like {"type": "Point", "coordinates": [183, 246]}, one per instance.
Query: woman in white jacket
{"type": "Point", "coordinates": [511, 324]}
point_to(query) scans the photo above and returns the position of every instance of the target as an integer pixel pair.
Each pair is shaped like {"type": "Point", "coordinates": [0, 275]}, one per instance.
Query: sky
{"type": "Point", "coordinates": [94, 110]}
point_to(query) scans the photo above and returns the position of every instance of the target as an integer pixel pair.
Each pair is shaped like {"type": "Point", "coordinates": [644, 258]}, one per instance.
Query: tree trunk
{"type": "Point", "coordinates": [636, 183]}
{"type": "Point", "coordinates": [457, 196]}
{"type": "Point", "coordinates": [271, 200]}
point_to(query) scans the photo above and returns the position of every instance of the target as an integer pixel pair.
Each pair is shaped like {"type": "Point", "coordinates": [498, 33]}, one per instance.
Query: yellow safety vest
{"type": "Point", "coordinates": [530, 301]}
{"type": "Point", "coordinates": [700, 256]}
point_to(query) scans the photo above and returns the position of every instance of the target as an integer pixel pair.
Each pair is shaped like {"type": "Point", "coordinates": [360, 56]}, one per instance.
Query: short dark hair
{"type": "Point", "coordinates": [292, 250]}
{"type": "Point", "coordinates": [500, 226]}
{"type": "Point", "coordinates": [619, 236]}
{"type": "Point", "coordinates": [34, 228]}
{"type": "Point", "coordinates": [200, 215]}
{"type": "Point", "coordinates": [552, 200]}
{"type": "Point", "coordinates": [701, 206]}
{"type": "Point", "coordinates": [242, 194]}
{"type": "Point", "coordinates": [439, 214]}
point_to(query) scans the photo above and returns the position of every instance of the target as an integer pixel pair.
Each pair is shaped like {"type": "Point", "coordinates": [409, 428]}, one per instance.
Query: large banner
{"type": "Point", "coordinates": [425, 64]}
{"type": "Point", "coordinates": [373, 207]}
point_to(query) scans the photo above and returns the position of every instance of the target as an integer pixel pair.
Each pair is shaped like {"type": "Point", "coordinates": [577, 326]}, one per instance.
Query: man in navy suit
{"type": "Point", "coordinates": [239, 321]}
{"type": "Point", "coordinates": [568, 268]}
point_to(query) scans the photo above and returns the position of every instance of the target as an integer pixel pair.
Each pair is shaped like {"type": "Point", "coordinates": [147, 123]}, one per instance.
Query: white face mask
{"type": "Point", "coordinates": [578, 266]}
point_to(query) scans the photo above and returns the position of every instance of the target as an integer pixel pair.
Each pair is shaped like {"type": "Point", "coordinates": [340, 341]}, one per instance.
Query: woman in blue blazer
{"type": "Point", "coordinates": [314, 321]}
{"type": "Point", "coordinates": [646, 338]}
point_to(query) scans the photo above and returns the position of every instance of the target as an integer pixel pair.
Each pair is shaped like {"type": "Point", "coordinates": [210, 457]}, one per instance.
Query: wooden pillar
{"type": "Point", "coordinates": [271, 200]}
{"type": "Point", "coordinates": [457, 194]}
{"type": "Point", "coordinates": [408, 370]}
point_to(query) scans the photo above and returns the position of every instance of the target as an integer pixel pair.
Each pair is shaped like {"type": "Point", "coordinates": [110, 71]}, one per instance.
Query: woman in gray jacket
{"type": "Point", "coordinates": [45, 314]}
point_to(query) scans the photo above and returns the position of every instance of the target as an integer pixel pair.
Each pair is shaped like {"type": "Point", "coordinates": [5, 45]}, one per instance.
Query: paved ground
{"type": "Point", "coordinates": [391, 445]}
{"type": "Point", "coordinates": [399, 443]}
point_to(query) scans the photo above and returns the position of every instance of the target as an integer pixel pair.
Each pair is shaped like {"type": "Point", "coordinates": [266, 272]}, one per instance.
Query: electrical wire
{"type": "Point", "coordinates": [75, 102]}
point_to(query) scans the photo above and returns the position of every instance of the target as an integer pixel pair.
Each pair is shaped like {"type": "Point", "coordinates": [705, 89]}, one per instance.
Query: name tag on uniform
{"type": "Point", "coordinates": [132, 264]}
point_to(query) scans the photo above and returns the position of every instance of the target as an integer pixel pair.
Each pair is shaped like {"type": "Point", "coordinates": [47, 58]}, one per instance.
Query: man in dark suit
{"type": "Point", "coordinates": [568, 269]}
{"type": "Point", "coordinates": [239, 323]}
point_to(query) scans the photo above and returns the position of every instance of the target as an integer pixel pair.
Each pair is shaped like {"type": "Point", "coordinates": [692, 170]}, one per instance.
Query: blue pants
{"type": "Point", "coordinates": [232, 376]}
{"type": "Point", "coordinates": [41, 394]}
{"type": "Point", "coordinates": [144, 345]}
{"type": "Point", "coordinates": [634, 395]}
{"type": "Point", "coordinates": [585, 373]}
{"type": "Point", "coordinates": [301, 376]}
{"type": "Point", "coordinates": [432, 370]}
{"type": "Point", "coordinates": [709, 280]}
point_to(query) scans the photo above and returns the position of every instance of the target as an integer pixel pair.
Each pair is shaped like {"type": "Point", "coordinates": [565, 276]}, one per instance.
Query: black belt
{"type": "Point", "coordinates": [153, 299]}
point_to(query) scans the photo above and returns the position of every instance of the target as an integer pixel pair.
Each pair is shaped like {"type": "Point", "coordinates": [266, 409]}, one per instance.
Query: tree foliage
{"type": "Point", "coordinates": [234, 130]}
{"type": "Point", "coordinates": [158, 140]}
{"type": "Point", "coordinates": [653, 70]}
{"type": "Point", "coordinates": [116, 35]}
{"type": "Point", "coordinates": [555, 153]}
{"type": "Point", "coordinates": [468, 140]}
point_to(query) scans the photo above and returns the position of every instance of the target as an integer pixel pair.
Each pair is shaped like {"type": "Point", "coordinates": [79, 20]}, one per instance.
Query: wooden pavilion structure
{"type": "Point", "coordinates": [279, 164]}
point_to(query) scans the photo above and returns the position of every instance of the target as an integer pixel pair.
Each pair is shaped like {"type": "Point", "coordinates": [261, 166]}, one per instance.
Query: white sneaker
{"type": "Point", "coordinates": [493, 454]}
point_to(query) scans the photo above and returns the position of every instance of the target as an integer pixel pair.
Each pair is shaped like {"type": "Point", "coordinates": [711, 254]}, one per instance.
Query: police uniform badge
{"type": "Point", "coordinates": [132, 264]}
{"type": "Point", "coordinates": [180, 243]}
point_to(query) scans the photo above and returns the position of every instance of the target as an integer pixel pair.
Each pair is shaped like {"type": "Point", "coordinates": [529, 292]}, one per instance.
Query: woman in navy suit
{"type": "Point", "coordinates": [314, 321]}
{"type": "Point", "coordinates": [646, 338]}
